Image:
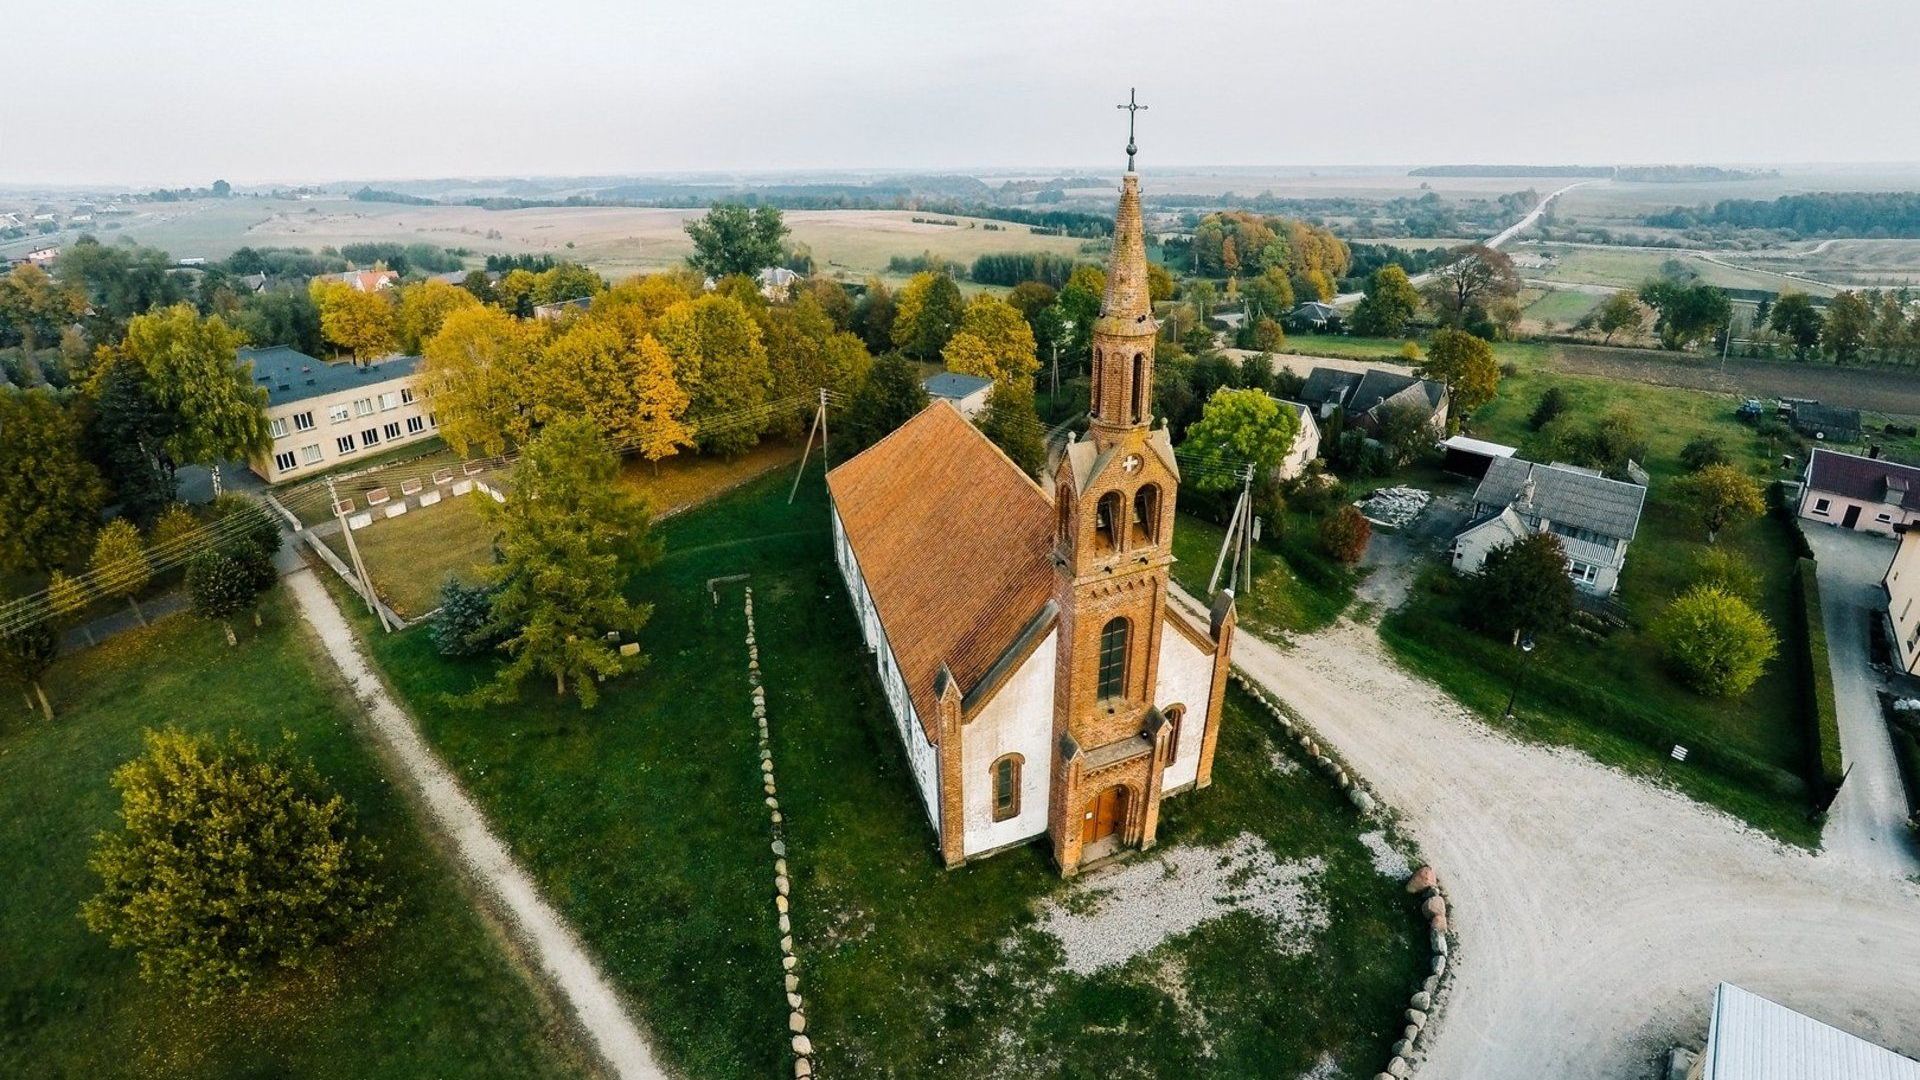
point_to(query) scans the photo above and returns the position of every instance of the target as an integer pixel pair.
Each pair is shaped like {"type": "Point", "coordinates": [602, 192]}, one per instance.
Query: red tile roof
{"type": "Point", "coordinates": [1866, 479]}
{"type": "Point", "coordinates": [955, 543]}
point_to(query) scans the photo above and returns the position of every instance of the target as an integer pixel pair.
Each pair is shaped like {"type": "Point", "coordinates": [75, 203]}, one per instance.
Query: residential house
{"type": "Point", "coordinates": [366, 280]}
{"type": "Point", "coordinates": [1828, 423]}
{"type": "Point", "coordinates": [560, 308]}
{"type": "Point", "coordinates": [253, 282]}
{"type": "Point", "coordinates": [967, 393]}
{"type": "Point", "coordinates": [1854, 492]}
{"type": "Point", "coordinates": [776, 282]}
{"type": "Point", "coordinates": [1306, 443]}
{"type": "Point", "coordinates": [1595, 518]}
{"type": "Point", "coordinates": [43, 256]}
{"type": "Point", "coordinates": [1363, 397]}
{"type": "Point", "coordinates": [1902, 585]}
{"type": "Point", "coordinates": [1316, 317]}
{"type": "Point", "coordinates": [1752, 1038]}
{"type": "Point", "coordinates": [322, 414]}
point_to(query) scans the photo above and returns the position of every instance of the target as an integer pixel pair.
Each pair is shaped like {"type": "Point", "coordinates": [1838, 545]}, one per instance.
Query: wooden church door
{"type": "Point", "coordinates": [1104, 815]}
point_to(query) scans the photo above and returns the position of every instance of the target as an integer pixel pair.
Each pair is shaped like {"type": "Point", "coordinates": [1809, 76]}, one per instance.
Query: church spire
{"type": "Point", "coordinates": [1124, 333]}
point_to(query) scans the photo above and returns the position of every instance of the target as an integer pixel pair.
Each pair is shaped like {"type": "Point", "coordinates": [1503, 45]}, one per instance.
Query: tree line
{"type": "Point", "coordinates": [1871, 214]}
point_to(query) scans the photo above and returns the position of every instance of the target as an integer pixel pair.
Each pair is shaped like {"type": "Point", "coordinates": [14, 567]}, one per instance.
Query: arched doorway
{"type": "Point", "coordinates": [1104, 816]}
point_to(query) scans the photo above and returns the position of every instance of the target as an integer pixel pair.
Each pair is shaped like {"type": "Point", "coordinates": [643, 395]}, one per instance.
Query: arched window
{"type": "Point", "coordinates": [1094, 392]}
{"type": "Point", "coordinates": [1139, 388]}
{"type": "Point", "coordinates": [1146, 516]}
{"type": "Point", "coordinates": [1113, 659]}
{"type": "Point", "coordinates": [1107, 522]}
{"type": "Point", "coordinates": [1175, 714]}
{"type": "Point", "coordinates": [1064, 499]}
{"type": "Point", "coordinates": [1006, 787]}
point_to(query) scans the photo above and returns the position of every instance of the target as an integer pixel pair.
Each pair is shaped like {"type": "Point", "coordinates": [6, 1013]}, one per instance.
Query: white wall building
{"type": "Point", "coordinates": [322, 414]}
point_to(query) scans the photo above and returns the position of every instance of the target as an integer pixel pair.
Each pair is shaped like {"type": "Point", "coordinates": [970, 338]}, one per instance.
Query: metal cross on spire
{"type": "Point", "coordinates": [1132, 107]}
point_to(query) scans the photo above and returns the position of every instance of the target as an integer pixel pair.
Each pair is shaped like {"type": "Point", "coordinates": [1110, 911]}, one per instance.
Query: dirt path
{"type": "Point", "coordinates": [1595, 910]}
{"type": "Point", "coordinates": [550, 941]}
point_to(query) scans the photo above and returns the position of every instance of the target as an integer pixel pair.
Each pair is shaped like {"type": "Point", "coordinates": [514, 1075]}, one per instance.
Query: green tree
{"type": "Point", "coordinates": [1389, 305]}
{"type": "Point", "coordinates": [1269, 295]}
{"type": "Point", "coordinates": [1795, 316]}
{"type": "Point", "coordinates": [890, 396]}
{"type": "Point", "coordinates": [1714, 641]}
{"type": "Point", "coordinates": [1849, 320]}
{"type": "Point", "coordinates": [1686, 313]}
{"type": "Point", "coordinates": [1011, 422]}
{"type": "Point", "coordinates": [282, 317]}
{"type": "Point", "coordinates": [119, 564]}
{"type": "Point", "coordinates": [1702, 451]}
{"type": "Point", "coordinates": [194, 371]}
{"type": "Point", "coordinates": [1719, 495]}
{"type": "Point", "coordinates": [806, 353]}
{"type": "Point", "coordinates": [1523, 588]}
{"type": "Point", "coordinates": [129, 430]}
{"type": "Point", "coordinates": [221, 586]}
{"type": "Point", "coordinates": [720, 360]}
{"type": "Point", "coordinates": [732, 239]}
{"type": "Point", "coordinates": [232, 867]}
{"type": "Point", "coordinates": [1241, 425]}
{"type": "Point", "coordinates": [929, 309]}
{"type": "Point", "coordinates": [26, 652]}
{"type": "Point", "coordinates": [874, 315]}
{"type": "Point", "coordinates": [1620, 311]}
{"type": "Point", "coordinates": [1406, 431]}
{"type": "Point", "coordinates": [1464, 289]}
{"type": "Point", "coordinates": [49, 494]}
{"type": "Point", "coordinates": [1466, 364]}
{"type": "Point", "coordinates": [570, 536]}
{"type": "Point", "coordinates": [1728, 571]}
{"type": "Point", "coordinates": [34, 307]}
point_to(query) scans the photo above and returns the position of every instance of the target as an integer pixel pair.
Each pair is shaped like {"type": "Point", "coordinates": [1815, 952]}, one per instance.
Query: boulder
{"type": "Point", "coordinates": [1398, 1068]}
{"type": "Point", "coordinates": [793, 982]}
{"type": "Point", "coordinates": [796, 1021]}
{"type": "Point", "coordinates": [1423, 879]}
{"type": "Point", "coordinates": [780, 849]}
{"type": "Point", "coordinates": [1361, 801]}
{"type": "Point", "coordinates": [802, 1045]}
{"type": "Point", "coordinates": [1439, 966]}
{"type": "Point", "coordinates": [1437, 922]}
{"type": "Point", "coordinates": [1435, 905]}
{"type": "Point", "coordinates": [1416, 1018]}
{"type": "Point", "coordinates": [802, 1069]}
{"type": "Point", "coordinates": [1422, 1001]}
{"type": "Point", "coordinates": [1439, 942]}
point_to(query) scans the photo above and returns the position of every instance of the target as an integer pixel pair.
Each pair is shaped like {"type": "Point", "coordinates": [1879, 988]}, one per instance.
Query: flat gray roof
{"type": "Point", "coordinates": [953, 386]}
{"type": "Point", "coordinates": [290, 375]}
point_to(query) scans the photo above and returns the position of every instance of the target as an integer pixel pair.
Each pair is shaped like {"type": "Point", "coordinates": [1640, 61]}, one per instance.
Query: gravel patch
{"type": "Point", "coordinates": [1281, 763]}
{"type": "Point", "coordinates": [1324, 1069]}
{"type": "Point", "coordinates": [1112, 915]}
{"type": "Point", "coordinates": [1386, 860]}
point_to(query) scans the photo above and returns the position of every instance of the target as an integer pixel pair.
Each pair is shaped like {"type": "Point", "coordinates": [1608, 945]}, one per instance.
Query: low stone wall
{"type": "Point", "coordinates": [1425, 1005]}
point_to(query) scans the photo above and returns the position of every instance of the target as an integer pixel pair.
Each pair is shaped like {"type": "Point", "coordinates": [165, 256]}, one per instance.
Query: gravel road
{"type": "Point", "coordinates": [1595, 911]}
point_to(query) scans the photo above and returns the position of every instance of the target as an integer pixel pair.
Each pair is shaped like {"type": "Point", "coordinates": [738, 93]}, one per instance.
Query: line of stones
{"type": "Point", "coordinates": [782, 887]}
{"type": "Point", "coordinates": [1423, 1008]}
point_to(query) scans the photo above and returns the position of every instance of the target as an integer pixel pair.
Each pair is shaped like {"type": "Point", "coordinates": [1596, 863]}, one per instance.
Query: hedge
{"type": "Point", "coordinates": [1905, 730]}
{"type": "Point", "coordinates": [1822, 716]}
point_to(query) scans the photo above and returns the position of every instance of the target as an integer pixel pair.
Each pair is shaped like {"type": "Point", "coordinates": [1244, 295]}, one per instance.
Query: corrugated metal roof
{"type": "Point", "coordinates": [1608, 507]}
{"type": "Point", "coordinates": [1751, 1038]}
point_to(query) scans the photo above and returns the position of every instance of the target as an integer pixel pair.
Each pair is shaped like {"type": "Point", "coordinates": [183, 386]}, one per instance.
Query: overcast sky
{"type": "Point", "coordinates": [136, 92]}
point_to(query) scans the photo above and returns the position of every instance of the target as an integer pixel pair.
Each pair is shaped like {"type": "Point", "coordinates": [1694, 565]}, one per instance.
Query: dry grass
{"type": "Point", "coordinates": [410, 556]}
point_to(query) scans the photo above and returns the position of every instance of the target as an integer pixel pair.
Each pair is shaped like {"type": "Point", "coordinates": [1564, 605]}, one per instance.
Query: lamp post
{"type": "Point", "coordinates": [1526, 649]}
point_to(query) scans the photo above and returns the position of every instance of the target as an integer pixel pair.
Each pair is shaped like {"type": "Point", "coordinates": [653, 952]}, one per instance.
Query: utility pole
{"type": "Point", "coordinates": [819, 425]}
{"type": "Point", "coordinates": [1239, 540]}
{"type": "Point", "coordinates": [1056, 374]}
{"type": "Point", "coordinates": [353, 553]}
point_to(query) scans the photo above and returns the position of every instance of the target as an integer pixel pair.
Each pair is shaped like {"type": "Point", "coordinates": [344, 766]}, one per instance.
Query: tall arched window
{"type": "Point", "coordinates": [1107, 522]}
{"type": "Point", "coordinates": [1099, 361]}
{"type": "Point", "coordinates": [1175, 714]}
{"type": "Point", "coordinates": [1113, 659]}
{"type": "Point", "coordinates": [1146, 516]}
{"type": "Point", "coordinates": [1064, 500]}
{"type": "Point", "coordinates": [1139, 387]}
{"type": "Point", "coordinates": [1005, 776]}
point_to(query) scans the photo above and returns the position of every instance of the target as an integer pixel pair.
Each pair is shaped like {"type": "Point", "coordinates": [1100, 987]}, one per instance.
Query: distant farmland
{"type": "Point", "coordinates": [614, 240]}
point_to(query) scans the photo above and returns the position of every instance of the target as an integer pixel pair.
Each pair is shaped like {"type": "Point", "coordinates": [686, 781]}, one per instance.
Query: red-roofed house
{"type": "Point", "coordinates": [1854, 492]}
{"type": "Point", "coordinates": [1039, 677]}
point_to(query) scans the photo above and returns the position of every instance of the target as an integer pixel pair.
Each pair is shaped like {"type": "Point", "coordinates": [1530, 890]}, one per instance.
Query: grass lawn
{"type": "Point", "coordinates": [1561, 308]}
{"type": "Point", "coordinates": [1296, 589]}
{"type": "Point", "coordinates": [644, 821]}
{"type": "Point", "coordinates": [411, 556]}
{"type": "Point", "coordinates": [687, 479]}
{"type": "Point", "coordinates": [1615, 698]}
{"type": "Point", "coordinates": [433, 996]}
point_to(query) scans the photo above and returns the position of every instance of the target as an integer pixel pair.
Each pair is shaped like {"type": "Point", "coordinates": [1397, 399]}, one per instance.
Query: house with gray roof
{"type": "Point", "coordinates": [1364, 396]}
{"type": "Point", "coordinates": [322, 414]}
{"type": "Point", "coordinates": [1594, 518]}
{"type": "Point", "coordinates": [968, 393]}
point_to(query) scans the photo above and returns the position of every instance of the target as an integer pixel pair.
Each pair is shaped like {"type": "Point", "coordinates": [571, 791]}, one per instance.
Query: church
{"type": "Point", "coordinates": [1039, 677]}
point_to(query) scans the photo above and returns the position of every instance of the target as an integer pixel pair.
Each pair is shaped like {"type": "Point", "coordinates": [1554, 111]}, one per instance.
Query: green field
{"type": "Point", "coordinates": [1561, 308]}
{"type": "Point", "coordinates": [644, 821]}
{"type": "Point", "coordinates": [435, 995]}
{"type": "Point", "coordinates": [1627, 268]}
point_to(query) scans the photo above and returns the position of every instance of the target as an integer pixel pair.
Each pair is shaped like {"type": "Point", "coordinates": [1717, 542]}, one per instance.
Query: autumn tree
{"type": "Point", "coordinates": [1522, 588]}
{"type": "Point", "coordinates": [650, 295]}
{"type": "Point", "coordinates": [1794, 316]}
{"type": "Point", "coordinates": [68, 600]}
{"type": "Point", "coordinates": [569, 536]}
{"type": "Point", "coordinates": [1720, 495]}
{"type": "Point", "coordinates": [360, 322]}
{"type": "Point", "coordinates": [732, 239]}
{"type": "Point", "coordinates": [26, 652]}
{"type": "Point", "coordinates": [477, 372]}
{"type": "Point", "coordinates": [119, 565]}
{"type": "Point", "coordinates": [618, 377]}
{"type": "Point", "coordinates": [1463, 290]}
{"type": "Point", "coordinates": [993, 342]}
{"type": "Point", "coordinates": [1389, 305]}
{"type": "Point", "coordinates": [1620, 311]}
{"type": "Point", "coordinates": [1240, 426]}
{"type": "Point", "coordinates": [1846, 326]}
{"type": "Point", "coordinates": [1466, 365]}
{"type": "Point", "coordinates": [720, 359]}
{"type": "Point", "coordinates": [34, 308]}
{"type": "Point", "coordinates": [1011, 422]}
{"type": "Point", "coordinates": [231, 867]}
{"type": "Point", "coordinates": [929, 311]}
{"type": "Point", "coordinates": [1344, 535]}
{"type": "Point", "coordinates": [424, 308]}
{"type": "Point", "coordinates": [890, 396]}
{"type": "Point", "coordinates": [193, 369]}
{"type": "Point", "coordinates": [1714, 641]}
{"type": "Point", "coordinates": [805, 353]}
{"type": "Point", "coordinates": [50, 495]}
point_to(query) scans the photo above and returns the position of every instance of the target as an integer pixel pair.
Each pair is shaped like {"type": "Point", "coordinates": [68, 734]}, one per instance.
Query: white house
{"type": "Point", "coordinates": [322, 414]}
{"type": "Point", "coordinates": [1595, 518]}
{"type": "Point", "coordinates": [1902, 585]}
{"type": "Point", "coordinates": [968, 393]}
{"type": "Point", "coordinates": [1306, 444]}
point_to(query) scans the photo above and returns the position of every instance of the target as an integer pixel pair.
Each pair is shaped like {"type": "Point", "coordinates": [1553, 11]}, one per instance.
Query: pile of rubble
{"type": "Point", "coordinates": [1394, 507]}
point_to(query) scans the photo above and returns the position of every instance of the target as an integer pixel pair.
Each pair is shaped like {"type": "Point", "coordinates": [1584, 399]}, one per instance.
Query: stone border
{"type": "Point", "coordinates": [782, 887]}
{"type": "Point", "coordinates": [1424, 1006]}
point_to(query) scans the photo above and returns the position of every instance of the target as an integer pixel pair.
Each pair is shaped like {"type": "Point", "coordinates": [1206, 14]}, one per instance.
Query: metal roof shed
{"type": "Point", "coordinates": [1751, 1038]}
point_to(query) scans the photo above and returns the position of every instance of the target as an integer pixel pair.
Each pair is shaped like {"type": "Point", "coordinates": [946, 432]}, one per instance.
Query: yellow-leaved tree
{"type": "Point", "coordinates": [603, 368]}
{"type": "Point", "coordinates": [1001, 348]}
{"type": "Point", "coordinates": [478, 372]}
{"type": "Point", "coordinates": [424, 308]}
{"type": "Point", "coordinates": [360, 322]}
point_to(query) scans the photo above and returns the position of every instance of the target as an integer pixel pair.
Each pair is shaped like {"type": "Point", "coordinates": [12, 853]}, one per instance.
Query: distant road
{"type": "Point", "coordinates": [1493, 241]}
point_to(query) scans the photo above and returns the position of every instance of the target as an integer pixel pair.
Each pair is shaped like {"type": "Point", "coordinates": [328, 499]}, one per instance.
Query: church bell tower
{"type": "Point", "coordinates": [1114, 492]}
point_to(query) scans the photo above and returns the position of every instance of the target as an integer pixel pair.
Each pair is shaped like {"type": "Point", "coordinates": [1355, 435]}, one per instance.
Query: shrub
{"type": "Point", "coordinates": [1714, 641]}
{"type": "Point", "coordinates": [462, 626]}
{"type": "Point", "coordinates": [1552, 404]}
{"type": "Point", "coordinates": [1722, 569]}
{"type": "Point", "coordinates": [1344, 535]}
{"type": "Point", "coordinates": [231, 866]}
{"type": "Point", "coordinates": [1822, 715]}
{"type": "Point", "coordinates": [1523, 588]}
{"type": "Point", "coordinates": [1702, 451]}
{"type": "Point", "coordinates": [220, 587]}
